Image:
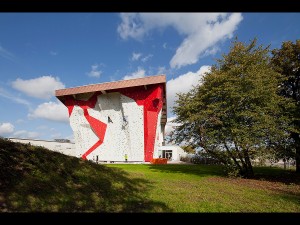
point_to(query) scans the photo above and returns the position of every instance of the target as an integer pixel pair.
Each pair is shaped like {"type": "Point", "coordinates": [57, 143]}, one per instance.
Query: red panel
{"type": "Point", "coordinates": [70, 102]}
{"type": "Point", "coordinates": [97, 126]}
{"type": "Point", "coordinates": [152, 100]}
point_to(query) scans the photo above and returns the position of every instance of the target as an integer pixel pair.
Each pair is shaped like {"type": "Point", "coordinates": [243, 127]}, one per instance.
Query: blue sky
{"type": "Point", "coordinates": [42, 52]}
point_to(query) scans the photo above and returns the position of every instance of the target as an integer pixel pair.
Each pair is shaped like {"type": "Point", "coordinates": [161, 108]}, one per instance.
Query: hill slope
{"type": "Point", "coordinates": [34, 179]}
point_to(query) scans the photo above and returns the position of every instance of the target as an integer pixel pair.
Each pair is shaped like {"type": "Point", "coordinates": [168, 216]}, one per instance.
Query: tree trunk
{"type": "Point", "coordinates": [249, 170]}
{"type": "Point", "coordinates": [296, 138]}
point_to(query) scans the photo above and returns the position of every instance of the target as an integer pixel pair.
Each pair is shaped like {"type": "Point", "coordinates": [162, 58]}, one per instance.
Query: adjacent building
{"type": "Point", "coordinates": [63, 146]}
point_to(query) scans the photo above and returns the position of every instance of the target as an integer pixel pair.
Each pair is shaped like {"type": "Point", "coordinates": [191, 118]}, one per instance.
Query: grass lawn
{"type": "Point", "coordinates": [34, 179]}
{"type": "Point", "coordinates": [204, 188]}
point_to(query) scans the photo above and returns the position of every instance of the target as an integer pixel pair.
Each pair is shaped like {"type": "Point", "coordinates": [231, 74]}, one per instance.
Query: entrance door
{"type": "Point", "coordinates": [167, 154]}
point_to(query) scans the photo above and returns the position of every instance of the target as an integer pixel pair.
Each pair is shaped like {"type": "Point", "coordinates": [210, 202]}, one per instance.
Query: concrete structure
{"type": "Point", "coordinates": [171, 152]}
{"type": "Point", "coordinates": [66, 148]}
{"type": "Point", "coordinates": [117, 119]}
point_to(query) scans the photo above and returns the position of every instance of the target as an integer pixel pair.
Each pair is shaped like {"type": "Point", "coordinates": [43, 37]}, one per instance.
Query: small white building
{"type": "Point", "coordinates": [60, 146]}
{"type": "Point", "coordinates": [171, 152]}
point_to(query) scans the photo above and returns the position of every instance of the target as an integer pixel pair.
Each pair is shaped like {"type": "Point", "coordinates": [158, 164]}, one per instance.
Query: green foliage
{"type": "Point", "coordinates": [188, 149]}
{"type": "Point", "coordinates": [286, 61]}
{"type": "Point", "coordinates": [235, 110]}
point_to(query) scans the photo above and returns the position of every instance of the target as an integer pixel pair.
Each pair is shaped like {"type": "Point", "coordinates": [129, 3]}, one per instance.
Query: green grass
{"type": "Point", "coordinates": [34, 179]}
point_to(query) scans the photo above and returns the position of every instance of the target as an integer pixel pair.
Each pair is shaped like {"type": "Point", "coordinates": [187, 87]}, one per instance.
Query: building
{"type": "Point", "coordinates": [171, 152]}
{"type": "Point", "coordinates": [62, 146]}
{"type": "Point", "coordinates": [118, 120]}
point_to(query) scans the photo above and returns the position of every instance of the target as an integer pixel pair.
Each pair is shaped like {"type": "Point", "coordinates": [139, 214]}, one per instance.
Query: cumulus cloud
{"type": "Point", "coordinates": [135, 56]}
{"type": "Point", "coordinates": [137, 74]}
{"type": "Point", "coordinates": [170, 125]}
{"type": "Point", "coordinates": [201, 31]}
{"type": "Point", "coordinates": [42, 87]}
{"type": "Point", "coordinates": [6, 128]}
{"type": "Point", "coordinates": [51, 111]}
{"type": "Point", "coordinates": [95, 72]}
{"type": "Point", "coordinates": [146, 58]}
{"type": "Point", "coordinates": [25, 134]}
{"type": "Point", "coordinates": [161, 70]}
{"type": "Point", "coordinates": [182, 84]}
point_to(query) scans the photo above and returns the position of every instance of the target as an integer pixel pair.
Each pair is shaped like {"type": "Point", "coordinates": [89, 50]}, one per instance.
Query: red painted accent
{"type": "Point", "coordinates": [152, 100]}
{"type": "Point", "coordinates": [96, 145]}
{"type": "Point", "coordinates": [90, 103]}
{"type": "Point", "coordinates": [70, 102]}
{"type": "Point", "coordinates": [97, 126]}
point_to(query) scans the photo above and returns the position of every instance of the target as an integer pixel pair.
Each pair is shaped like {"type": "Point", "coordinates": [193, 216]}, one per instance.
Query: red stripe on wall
{"type": "Point", "coordinates": [97, 126]}
{"type": "Point", "coordinates": [152, 101]}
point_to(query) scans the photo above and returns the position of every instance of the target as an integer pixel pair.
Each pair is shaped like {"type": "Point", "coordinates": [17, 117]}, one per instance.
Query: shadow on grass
{"type": "Point", "coordinates": [194, 169]}
{"type": "Point", "coordinates": [275, 174]}
{"type": "Point", "coordinates": [272, 174]}
{"type": "Point", "coordinates": [34, 179]}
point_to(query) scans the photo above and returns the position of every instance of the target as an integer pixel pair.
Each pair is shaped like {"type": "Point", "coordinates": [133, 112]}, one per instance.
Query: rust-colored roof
{"type": "Point", "coordinates": [112, 85]}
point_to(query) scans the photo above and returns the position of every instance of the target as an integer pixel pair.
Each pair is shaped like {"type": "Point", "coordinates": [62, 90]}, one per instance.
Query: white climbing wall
{"type": "Point", "coordinates": [124, 133]}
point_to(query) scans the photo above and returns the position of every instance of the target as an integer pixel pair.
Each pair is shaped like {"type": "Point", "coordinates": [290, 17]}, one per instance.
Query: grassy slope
{"type": "Point", "coordinates": [36, 179]}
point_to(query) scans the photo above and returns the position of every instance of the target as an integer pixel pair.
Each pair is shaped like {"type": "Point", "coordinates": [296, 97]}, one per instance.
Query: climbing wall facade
{"type": "Point", "coordinates": [127, 121]}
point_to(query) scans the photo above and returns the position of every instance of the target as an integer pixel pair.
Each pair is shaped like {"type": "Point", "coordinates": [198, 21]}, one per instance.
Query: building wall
{"type": "Point", "coordinates": [121, 136]}
{"type": "Point", "coordinates": [62, 147]}
{"type": "Point", "coordinates": [177, 151]}
{"type": "Point", "coordinates": [108, 126]}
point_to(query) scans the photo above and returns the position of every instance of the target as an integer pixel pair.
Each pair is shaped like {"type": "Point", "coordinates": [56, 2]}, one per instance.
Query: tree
{"type": "Point", "coordinates": [188, 149]}
{"type": "Point", "coordinates": [235, 110]}
{"type": "Point", "coordinates": [286, 61]}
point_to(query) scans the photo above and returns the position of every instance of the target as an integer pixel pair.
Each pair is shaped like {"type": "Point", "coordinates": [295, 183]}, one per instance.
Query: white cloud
{"type": "Point", "coordinates": [161, 70]}
{"type": "Point", "coordinates": [137, 74]}
{"type": "Point", "coordinates": [95, 72]}
{"type": "Point", "coordinates": [53, 53]}
{"type": "Point", "coordinates": [6, 128]}
{"type": "Point", "coordinates": [25, 134]}
{"type": "Point", "coordinates": [136, 56]}
{"type": "Point", "coordinates": [16, 99]}
{"type": "Point", "coordinates": [182, 84]}
{"type": "Point", "coordinates": [146, 58]}
{"type": "Point", "coordinates": [42, 87]}
{"type": "Point", "coordinates": [211, 51]}
{"type": "Point", "coordinates": [170, 125]}
{"type": "Point", "coordinates": [51, 111]}
{"type": "Point", "coordinates": [56, 135]}
{"type": "Point", "coordinates": [42, 127]}
{"type": "Point", "coordinates": [201, 31]}
{"type": "Point", "coordinates": [6, 54]}
{"type": "Point", "coordinates": [20, 121]}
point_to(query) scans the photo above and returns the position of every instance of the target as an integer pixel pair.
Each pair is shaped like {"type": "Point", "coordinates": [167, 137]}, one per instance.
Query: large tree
{"type": "Point", "coordinates": [286, 61]}
{"type": "Point", "coordinates": [235, 111]}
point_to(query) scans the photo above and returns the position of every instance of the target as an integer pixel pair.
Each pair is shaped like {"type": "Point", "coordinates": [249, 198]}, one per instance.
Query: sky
{"type": "Point", "coordinates": [43, 52]}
